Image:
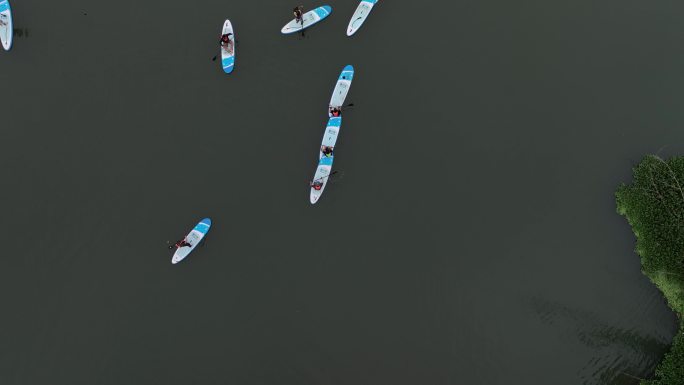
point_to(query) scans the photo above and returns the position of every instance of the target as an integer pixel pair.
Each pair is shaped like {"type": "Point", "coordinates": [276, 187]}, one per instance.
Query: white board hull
{"type": "Point", "coordinates": [342, 87]}
{"type": "Point", "coordinates": [322, 175]}
{"type": "Point", "coordinates": [228, 51]}
{"type": "Point", "coordinates": [308, 19]}
{"type": "Point", "coordinates": [194, 237]}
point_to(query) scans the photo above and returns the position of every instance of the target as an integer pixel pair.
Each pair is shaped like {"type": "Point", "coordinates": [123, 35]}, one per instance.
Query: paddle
{"type": "Point", "coordinates": [350, 105]}
{"type": "Point", "coordinates": [323, 177]}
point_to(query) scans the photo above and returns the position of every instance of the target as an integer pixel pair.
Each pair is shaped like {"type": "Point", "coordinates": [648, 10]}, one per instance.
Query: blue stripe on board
{"type": "Point", "coordinates": [371, 1]}
{"type": "Point", "coordinates": [4, 5]}
{"type": "Point", "coordinates": [228, 63]}
{"type": "Point", "coordinates": [335, 122]}
{"type": "Point", "coordinates": [203, 226]}
{"type": "Point", "coordinates": [326, 161]}
{"type": "Point", "coordinates": [323, 11]}
{"type": "Point", "coordinates": [347, 73]}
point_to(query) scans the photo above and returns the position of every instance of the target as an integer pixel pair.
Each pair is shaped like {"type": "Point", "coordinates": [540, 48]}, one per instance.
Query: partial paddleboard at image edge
{"type": "Point", "coordinates": [360, 16]}
{"type": "Point", "coordinates": [6, 26]}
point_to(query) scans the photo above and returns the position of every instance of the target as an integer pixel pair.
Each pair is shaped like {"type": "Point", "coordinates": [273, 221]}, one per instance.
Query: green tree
{"type": "Point", "coordinates": [654, 206]}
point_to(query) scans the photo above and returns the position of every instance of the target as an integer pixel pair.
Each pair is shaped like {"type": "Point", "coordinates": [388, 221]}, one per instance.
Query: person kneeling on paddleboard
{"type": "Point", "coordinates": [335, 111]}
{"type": "Point", "coordinates": [181, 243]}
{"type": "Point", "coordinates": [226, 42]}
{"type": "Point", "coordinates": [317, 185]}
{"type": "Point", "coordinates": [298, 14]}
{"type": "Point", "coordinates": [327, 151]}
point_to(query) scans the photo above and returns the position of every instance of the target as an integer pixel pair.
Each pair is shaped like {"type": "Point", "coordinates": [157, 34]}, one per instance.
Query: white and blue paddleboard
{"type": "Point", "coordinates": [193, 238]}
{"type": "Point", "coordinates": [341, 88]}
{"type": "Point", "coordinates": [228, 53]}
{"type": "Point", "coordinates": [322, 175]}
{"type": "Point", "coordinates": [330, 136]}
{"type": "Point", "coordinates": [360, 16]}
{"type": "Point", "coordinates": [6, 28]}
{"type": "Point", "coordinates": [308, 19]}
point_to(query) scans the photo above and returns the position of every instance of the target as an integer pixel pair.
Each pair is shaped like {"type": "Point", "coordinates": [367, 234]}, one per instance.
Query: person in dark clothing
{"type": "Point", "coordinates": [181, 243]}
{"type": "Point", "coordinates": [298, 14]}
{"type": "Point", "coordinates": [226, 42]}
{"type": "Point", "coordinates": [317, 185]}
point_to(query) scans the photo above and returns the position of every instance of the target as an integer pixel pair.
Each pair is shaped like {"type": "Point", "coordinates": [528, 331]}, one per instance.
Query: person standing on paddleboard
{"type": "Point", "coordinates": [226, 42]}
{"type": "Point", "coordinates": [298, 15]}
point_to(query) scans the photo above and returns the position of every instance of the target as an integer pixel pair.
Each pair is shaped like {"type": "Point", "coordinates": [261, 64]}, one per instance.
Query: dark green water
{"type": "Point", "coordinates": [473, 237]}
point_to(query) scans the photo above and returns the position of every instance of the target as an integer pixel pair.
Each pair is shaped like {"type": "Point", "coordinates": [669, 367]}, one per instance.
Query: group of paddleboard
{"type": "Point", "coordinates": [302, 20]}
{"type": "Point", "coordinates": [326, 155]}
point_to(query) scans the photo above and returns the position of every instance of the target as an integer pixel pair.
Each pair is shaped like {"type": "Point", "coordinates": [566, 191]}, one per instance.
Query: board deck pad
{"type": "Point", "coordinates": [228, 57]}
{"type": "Point", "coordinates": [6, 26]}
{"type": "Point", "coordinates": [194, 237]}
{"type": "Point", "coordinates": [308, 19]}
{"type": "Point", "coordinates": [360, 16]}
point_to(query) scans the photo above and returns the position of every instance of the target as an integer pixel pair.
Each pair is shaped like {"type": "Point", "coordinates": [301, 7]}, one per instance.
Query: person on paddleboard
{"type": "Point", "coordinates": [298, 14]}
{"type": "Point", "coordinates": [335, 111]}
{"type": "Point", "coordinates": [327, 151]}
{"type": "Point", "coordinates": [226, 42]}
{"type": "Point", "coordinates": [317, 185]}
{"type": "Point", "coordinates": [181, 243]}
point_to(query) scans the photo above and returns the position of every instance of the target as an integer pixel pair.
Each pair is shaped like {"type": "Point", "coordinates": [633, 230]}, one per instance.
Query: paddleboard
{"type": "Point", "coordinates": [341, 88]}
{"type": "Point", "coordinates": [360, 16]}
{"type": "Point", "coordinates": [228, 53]}
{"type": "Point", "coordinates": [6, 31]}
{"type": "Point", "coordinates": [322, 175]}
{"type": "Point", "coordinates": [308, 19]}
{"type": "Point", "coordinates": [194, 237]}
{"type": "Point", "coordinates": [330, 136]}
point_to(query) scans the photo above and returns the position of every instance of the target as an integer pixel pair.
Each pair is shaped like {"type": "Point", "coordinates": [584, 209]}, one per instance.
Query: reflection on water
{"type": "Point", "coordinates": [622, 356]}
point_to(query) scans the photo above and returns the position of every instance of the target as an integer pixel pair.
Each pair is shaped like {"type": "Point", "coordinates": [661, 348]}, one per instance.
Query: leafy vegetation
{"type": "Point", "coordinates": [654, 206]}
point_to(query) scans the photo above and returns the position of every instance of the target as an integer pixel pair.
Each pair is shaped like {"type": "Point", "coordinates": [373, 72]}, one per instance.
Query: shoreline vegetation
{"type": "Point", "coordinates": [654, 207]}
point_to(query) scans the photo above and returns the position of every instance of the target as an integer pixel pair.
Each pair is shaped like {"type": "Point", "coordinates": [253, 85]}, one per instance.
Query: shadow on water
{"type": "Point", "coordinates": [20, 32]}
{"type": "Point", "coordinates": [624, 357]}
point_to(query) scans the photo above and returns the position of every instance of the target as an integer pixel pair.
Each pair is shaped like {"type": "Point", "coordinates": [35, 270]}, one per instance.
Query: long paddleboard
{"type": "Point", "coordinates": [194, 237]}
{"type": "Point", "coordinates": [322, 175]}
{"type": "Point", "coordinates": [330, 136]}
{"type": "Point", "coordinates": [360, 16]}
{"type": "Point", "coordinates": [228, 52]}
{"type": "Point", "coordinates": [341, 88]}
{"type": "Point", "coordinates": [308, 19]}
{"type": "Point", "coordinates": [6, 28]}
